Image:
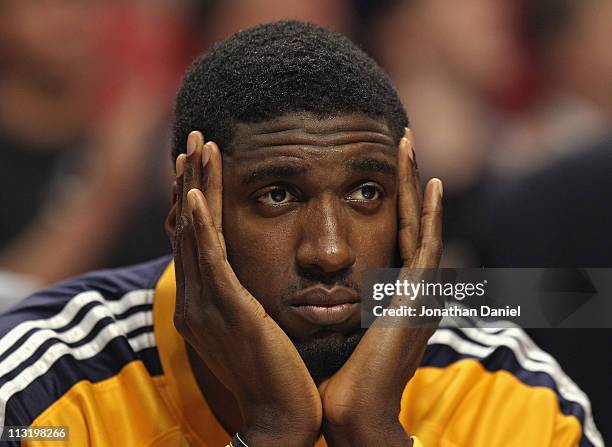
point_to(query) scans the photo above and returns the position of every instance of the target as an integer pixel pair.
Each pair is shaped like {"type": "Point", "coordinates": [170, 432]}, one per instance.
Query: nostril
{"type": "Point", "coordinates": [313, 273]}
{"type": "Point", "coordinates": [326, 259]}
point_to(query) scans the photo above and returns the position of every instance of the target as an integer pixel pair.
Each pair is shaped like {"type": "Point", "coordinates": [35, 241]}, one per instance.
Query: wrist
{"type": "Point", "coordinates": [277, 437]}
{"type": "Point", "coordinates": [282, 426]}
{"type": "Point", "coordinates": [390, 434]}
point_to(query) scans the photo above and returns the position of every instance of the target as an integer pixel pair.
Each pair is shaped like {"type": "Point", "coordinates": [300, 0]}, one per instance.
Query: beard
{"type": "Point", "coordinates": [326, 351]}
{"type": "Point", "coordinates": [325, 354]}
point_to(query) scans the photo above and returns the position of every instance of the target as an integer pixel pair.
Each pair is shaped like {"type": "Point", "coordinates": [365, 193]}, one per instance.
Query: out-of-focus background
{"type": "Point", "coordinates": [510, 102]}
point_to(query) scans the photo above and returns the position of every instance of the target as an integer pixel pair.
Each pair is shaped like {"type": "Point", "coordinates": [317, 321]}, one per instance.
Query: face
{"type": "Point", "coordinates": [308, 204]}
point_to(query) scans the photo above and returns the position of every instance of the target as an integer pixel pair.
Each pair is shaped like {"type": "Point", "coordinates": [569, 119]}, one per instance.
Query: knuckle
{"type": "Point", "coordinates": [199, 223]}
{"type": "Point", "coordinates": [406, 222]}
{"type": "Point", "coordinates": [430, 209]}
{"type": "Point", "coordinates": [206, 261]}
{"type": "Point", "coordinates": [210, 254]}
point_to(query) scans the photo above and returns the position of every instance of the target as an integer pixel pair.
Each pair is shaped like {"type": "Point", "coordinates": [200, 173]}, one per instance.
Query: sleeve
{"type": "Point", "coordinates": [124, 410]}
{"type": "Point", "coordinates": [482, 388]}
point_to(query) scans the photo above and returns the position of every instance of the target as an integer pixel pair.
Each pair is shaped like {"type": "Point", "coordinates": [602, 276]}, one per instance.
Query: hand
{"type": "Point", "coordinates": [361, 402]}
{"type": "Point", "coordinates": [225, 324]}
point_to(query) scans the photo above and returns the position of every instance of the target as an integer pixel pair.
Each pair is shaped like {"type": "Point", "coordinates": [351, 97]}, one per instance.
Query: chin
{"type": "Point", "coordinates": [327, 351]}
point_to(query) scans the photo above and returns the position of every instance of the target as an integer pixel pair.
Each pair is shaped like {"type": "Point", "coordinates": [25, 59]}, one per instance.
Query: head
{"type": "Point", "coordinates": [308, 126]}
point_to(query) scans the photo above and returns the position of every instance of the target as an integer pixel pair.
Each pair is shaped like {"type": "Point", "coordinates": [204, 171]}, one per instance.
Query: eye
{"type": "Point", "coordinates": [366, 193]}
{"type": "Point", "coordinates": [276, 196]}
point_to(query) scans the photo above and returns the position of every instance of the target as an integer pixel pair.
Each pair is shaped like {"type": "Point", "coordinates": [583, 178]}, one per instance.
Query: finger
{"type": "Point", "coordinates": [213, 192]}
{"type": "Point", "coordinates": [215, 270]}
{"type": "Point", "coordinates": [416, 180]}
{"type": "Point", "coordinates": [188, 175]}
{"type": "Point", "coordinates": [193, 165]}
{"type": "Point", "coordinates": [180, 171]}
{"type": "Point", "coordinates": [186, 263]}
{"type": "Point", "coordinates": [409, 200]}
{"type": "Point", "coordinates": [178, 261]}
{"type": "Point", "coordinates": [202, 221]}
{"type": "Point", "coordinates": [192, 173]}
{"type": "Point", "coordinates": [430, 244]}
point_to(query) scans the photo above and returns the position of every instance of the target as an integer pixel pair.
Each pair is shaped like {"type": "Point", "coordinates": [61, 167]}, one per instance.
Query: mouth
{"type": "Point", "coordinates": [325, 307]}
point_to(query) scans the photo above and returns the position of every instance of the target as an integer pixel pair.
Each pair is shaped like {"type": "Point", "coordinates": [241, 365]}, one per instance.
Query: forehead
{"type": "Point", "coordinates": [305, 129]}
{"type": "Point", "coordinates": [301, 143]}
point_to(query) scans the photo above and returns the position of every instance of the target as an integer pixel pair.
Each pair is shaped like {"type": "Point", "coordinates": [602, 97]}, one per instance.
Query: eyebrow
{"type": "Point", "coordinates": [272, 171]}
{"type": "Point", "coordinates": [372, 165]}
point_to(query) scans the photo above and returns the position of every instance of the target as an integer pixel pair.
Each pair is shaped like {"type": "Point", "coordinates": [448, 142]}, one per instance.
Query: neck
{"type": "Point", "coordinates": [220, 400]}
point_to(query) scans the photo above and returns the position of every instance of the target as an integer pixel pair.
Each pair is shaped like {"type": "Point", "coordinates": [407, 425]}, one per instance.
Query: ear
{"type": "Point", "coordinates": [170, 222]}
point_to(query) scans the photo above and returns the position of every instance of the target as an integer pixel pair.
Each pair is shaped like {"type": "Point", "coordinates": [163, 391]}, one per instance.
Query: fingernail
{"type": "Point", "coordinates": [406, 132]}
{"type": "Point", "coordinates": [404, 142]}
{"type": "Point", "coordinates": [206, 152]}
{"type": "Point", "coordinates": [180, 165]}
{"type": "Point", "coordinates": [191, 198]}
{"type": "Point", "coordinates": [192, 142]}
{"type": "Point", "coordinates": [409, 150]}
{"type": "Point", "coordinates": [440, 187]}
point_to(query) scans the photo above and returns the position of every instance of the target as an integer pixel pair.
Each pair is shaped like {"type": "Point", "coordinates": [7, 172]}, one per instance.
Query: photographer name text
{"type": "Point", "coordinates": [451, 311]}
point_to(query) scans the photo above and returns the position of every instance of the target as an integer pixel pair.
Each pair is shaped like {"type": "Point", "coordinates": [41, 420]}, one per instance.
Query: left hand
{"type": "Point", "coordinates": [361, 402]}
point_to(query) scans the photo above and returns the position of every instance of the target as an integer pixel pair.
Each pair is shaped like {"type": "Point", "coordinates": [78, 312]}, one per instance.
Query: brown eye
{"type": "Point", "coordinates": [367, 192]}
{"type": "Point", "coordinates": [276, 196]}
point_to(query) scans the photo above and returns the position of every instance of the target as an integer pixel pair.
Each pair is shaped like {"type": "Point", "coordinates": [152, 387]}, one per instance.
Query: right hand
{"type": "Point", "coordinates": [225, 324]}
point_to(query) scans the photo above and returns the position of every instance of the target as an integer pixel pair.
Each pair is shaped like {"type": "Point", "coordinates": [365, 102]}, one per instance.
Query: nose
{"type": "Point", "coordinates": [324, 246]}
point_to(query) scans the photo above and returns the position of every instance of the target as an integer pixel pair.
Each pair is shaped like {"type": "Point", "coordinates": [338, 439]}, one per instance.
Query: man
{"type": "Point", "coordinates": [299, 175]}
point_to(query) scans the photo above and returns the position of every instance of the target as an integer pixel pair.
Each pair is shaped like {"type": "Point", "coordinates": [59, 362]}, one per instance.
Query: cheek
{"type": "Point", "coordinates": [260, 252]}
{"type": "Point", "coordinates": [375, 242]}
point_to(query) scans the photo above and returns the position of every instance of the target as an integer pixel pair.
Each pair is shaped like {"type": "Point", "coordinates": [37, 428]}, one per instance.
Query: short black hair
{"type": "Point", "coordinates": [278, 68]}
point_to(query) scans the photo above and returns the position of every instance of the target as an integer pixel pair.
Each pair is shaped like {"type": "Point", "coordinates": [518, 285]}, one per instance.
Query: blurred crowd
{"type": "Point", "coordinates": [510, 102]}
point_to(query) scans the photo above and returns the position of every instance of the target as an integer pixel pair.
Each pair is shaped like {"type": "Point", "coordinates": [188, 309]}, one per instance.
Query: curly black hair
{"type": "Point", "coordinates": [278, 68]}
